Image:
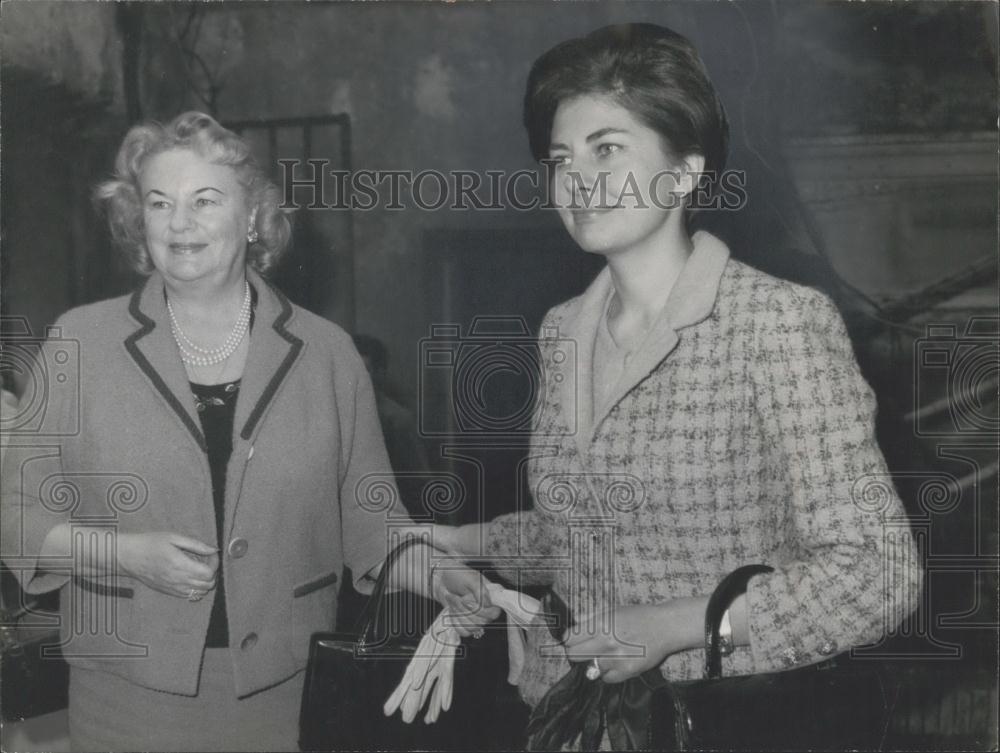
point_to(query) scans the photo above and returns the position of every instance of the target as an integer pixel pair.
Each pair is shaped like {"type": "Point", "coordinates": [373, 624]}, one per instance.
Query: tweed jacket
{"type": "Point", "coordinates": [120, 445]}
{"type": "Point", "coordinates": [740, 432]}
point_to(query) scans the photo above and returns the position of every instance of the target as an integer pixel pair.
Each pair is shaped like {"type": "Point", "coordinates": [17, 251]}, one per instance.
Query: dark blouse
{"type": "Point", "coordinates": [216, 408]}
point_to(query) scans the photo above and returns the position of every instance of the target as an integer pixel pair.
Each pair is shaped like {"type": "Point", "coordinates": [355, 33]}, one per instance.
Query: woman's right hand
{"type": "Point", "coordinates": [169, 562]}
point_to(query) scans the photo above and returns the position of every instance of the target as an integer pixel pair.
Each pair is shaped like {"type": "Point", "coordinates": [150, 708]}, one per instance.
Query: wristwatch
{"type": "Point", "coordinates": [725, 635]}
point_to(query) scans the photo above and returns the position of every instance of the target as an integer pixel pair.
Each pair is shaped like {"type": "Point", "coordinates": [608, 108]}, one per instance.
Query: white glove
{"type": "Point", "coordinates": [429, 674]}
{"type": "Point", "coordinates": [522, 613]}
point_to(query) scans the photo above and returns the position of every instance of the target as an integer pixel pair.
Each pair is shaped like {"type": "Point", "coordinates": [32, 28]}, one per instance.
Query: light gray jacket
{"type": "Point", "coordinates": [120, 444]}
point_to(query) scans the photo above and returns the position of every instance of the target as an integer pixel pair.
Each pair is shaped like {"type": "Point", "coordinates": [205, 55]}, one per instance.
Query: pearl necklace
{"type": "Point", "coordinates": [194, 355]}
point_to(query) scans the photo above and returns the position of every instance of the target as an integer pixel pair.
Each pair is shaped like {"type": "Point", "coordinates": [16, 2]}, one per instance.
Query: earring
{"type": "Point", "coordinates": [252, 235]}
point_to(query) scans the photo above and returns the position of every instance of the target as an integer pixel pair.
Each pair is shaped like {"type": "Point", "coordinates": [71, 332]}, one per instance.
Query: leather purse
{"type": "Point", "coordinates": [350, 675]}
{"type": "Point", "coordinates": [838, 705]}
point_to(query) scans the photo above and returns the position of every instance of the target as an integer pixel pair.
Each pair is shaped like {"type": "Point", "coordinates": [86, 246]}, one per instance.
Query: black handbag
{"type": "Point", "coordinates": [838, 705]}
{"type": "Point", "coordinates": [350, 675]}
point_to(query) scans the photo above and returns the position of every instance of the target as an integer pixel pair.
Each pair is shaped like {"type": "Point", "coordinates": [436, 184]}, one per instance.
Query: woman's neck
{"type": "Point", "coordinates": [207, 313]}
{"type": "Point", "coordinates": [644, 275]}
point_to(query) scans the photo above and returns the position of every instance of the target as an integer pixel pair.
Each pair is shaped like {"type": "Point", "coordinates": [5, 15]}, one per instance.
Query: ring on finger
{"type": "Point", "coordinates": [195, 595]}
{"type": "Point", "coordinates": [478, 633]}
{"type": "Point", "coordinates": [593, 670]}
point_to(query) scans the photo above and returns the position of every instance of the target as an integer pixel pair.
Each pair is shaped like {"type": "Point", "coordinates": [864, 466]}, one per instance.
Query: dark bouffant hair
{"type": "Point", "coordinates": [653, 72]}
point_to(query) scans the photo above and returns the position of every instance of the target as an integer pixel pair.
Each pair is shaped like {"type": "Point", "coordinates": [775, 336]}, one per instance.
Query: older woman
{"type": "Point", "coordinates": [713, 417]}
{"type": "Point", "coordinates": [197, 499]}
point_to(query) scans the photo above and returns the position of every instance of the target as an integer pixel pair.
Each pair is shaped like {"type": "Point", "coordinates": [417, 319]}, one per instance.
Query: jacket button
{"type": "Point", "coordinates": [238, 547]}
{"type": "Point", "coordinates": [248, 642]}
{"type": "Point", "coordinates": [828, 648]}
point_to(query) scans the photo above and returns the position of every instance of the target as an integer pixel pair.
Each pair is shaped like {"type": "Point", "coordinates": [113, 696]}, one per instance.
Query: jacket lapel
{"type": "Point", "coordinates": [155, 353]}
{"type": "Point", "coordinates": [273, 350]}
{"type": "Point", "coordinates": [271, 356]}
{"type": "Point", "coordinates": [691, 301]}
{"type": "Point", "coordinates": [579, 326]}
{"type": "Point", "coordinates": [272, 353]}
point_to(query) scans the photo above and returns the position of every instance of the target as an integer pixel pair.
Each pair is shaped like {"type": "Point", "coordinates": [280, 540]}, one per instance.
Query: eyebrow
{"type": "Point", "coordinates": [200, 190]}
{"type": "Point", "coordinates": [599, 134]}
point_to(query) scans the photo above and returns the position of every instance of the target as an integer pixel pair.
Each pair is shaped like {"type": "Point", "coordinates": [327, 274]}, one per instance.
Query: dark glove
{"type": "Point", "coordinates": [576, 706]}
{"type": "Point", "coordinates": [572, 707]}
{"type": "Point", "coordinates": [626, 710]}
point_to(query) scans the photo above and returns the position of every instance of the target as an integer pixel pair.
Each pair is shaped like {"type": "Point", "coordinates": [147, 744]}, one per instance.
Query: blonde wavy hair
{"type": "Point", "coordinates": [201, 134]}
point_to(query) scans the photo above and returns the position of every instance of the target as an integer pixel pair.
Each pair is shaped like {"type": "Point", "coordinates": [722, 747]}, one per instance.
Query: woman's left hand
{"type": "Point", "coordinates": [628, 640]}
{"type": "Point", "coordinates": [463, 591]}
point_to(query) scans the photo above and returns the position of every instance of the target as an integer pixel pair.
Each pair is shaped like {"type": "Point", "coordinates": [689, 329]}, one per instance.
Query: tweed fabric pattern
{"type": "Point", "coordinates": [745, 443]}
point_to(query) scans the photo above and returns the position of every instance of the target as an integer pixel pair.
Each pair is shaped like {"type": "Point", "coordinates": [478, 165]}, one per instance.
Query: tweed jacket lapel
{"type": "Point", "coordinates": [579, 325]}
{"type": "Point", "coordinates": [691, 301]}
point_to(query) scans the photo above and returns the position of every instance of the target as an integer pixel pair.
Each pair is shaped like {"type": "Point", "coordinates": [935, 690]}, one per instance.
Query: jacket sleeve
{"type": "Point", "coordinates": [521, 547]}
{"type": "Point", "coordinates": [850, 570]}
{"type": "Point", "coordinates": [33, 500]}
{"type": "Point", "coordinates": [370, 504]}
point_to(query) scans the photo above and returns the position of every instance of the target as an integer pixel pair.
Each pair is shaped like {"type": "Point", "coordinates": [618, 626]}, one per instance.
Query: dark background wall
{"type": "Point", "coordinates": [813, 90]}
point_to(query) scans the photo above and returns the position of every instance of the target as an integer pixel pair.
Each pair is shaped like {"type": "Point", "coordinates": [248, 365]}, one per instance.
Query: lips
{"type": "Point", "coordinates": [581, 205]}
{"type": "Point", "coordinates": [187, 248]}
{"type": "Point", "coordinates": [590, 213]}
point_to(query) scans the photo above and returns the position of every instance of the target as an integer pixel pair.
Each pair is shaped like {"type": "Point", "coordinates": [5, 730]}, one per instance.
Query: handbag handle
{"type": "Point", "coordinates": [371, 616]}
{"type": "Point", "coordinates": [721, 599]}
